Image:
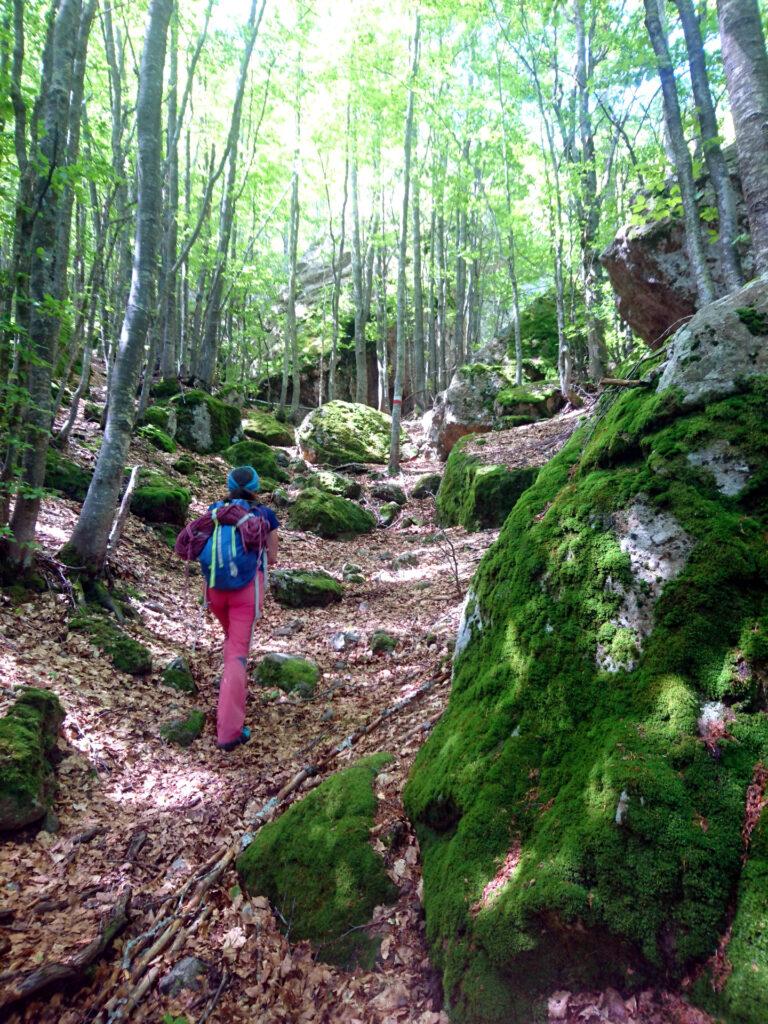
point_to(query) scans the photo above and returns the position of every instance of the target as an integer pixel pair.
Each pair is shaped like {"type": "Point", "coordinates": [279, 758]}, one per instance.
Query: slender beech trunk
{"type": "Point", "coordinates": [169, 313]}
{"type": "Point", "coordinates": [728, 226]}
{"type": "Point", "coordinates": [746, 71]}
{"type": "Point", "coordinates": [337, 263]}
{"type": "Point", "coordinates": [420, 379]}
{"type": "Point", "coordinates": [432, 373]}
{"type": "Point", "coordinates": [290, 319]}
{"type": "Point", "coordinates": [397, 400]}
{"type": "Point", "coordinates": [361, 363]}
{"type": "Point", "coordinates": [459, 330]}
{"type": "Point", "coordinates": [682, 158]}
{"type": "Point", "coordinates": [88, 545]}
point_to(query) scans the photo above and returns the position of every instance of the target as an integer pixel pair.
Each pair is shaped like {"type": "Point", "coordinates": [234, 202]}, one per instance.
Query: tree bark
{"type": "Point", "coordinates": [682, 158]}
{"type": "Point", "coordinates": [361, 363]}
{"type": "Point", "coordinates": [418, 304]}
{"type": "Point", "coordinates": [397, 400]}
{"type": "Point", "coordinates": [169, 313]}
{"type": "Point", "coordinates": [88, 544]}
{"type": "Point", "coordinates": [746, 71]}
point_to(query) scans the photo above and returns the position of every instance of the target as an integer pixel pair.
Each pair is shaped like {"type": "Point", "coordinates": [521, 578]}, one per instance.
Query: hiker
{"type": "Point", "coordinates": [234, 542]}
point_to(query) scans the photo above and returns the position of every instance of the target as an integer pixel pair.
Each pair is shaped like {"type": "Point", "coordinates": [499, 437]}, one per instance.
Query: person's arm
{"type": "Point", "coordinates": [273, 542]}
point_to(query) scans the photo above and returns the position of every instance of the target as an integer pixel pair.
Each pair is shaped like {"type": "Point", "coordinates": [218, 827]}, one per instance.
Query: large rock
{"type": "Point", "coordinates": [327, 515]}
{"type": "Point", "coordinates": [341, 432]}
{"type": "Point", "coordinates": [481, 398]}
{"type": "Point", "coordinates": [652, 274]}
{"type": "Point", "coordinates": [261, 426]}
{"type": "Point", "coordinates": [159, 500]}
{"type": "Point", "coordinates": [28, 734]}
{"type": "Point", "coordinates": [316, 865]}
{"type": "Point", "coordinates": [204, 423]}
{"type": "Point", "coordinates": [261, 457]}
{"type": "Point", "coordinates": [304, 588]}
{"type": "Point", "coordinates": [579, 816]}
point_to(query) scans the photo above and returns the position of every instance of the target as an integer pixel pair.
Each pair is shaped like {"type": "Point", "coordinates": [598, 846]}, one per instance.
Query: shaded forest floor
{"type": "Point", "coordinates": [133, 810]}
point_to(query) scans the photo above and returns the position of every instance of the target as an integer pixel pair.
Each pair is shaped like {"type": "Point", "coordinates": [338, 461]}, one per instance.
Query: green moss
{"type": "Point", "coordinates": [178, 676]}
{"type": "Point", "coordinates": [382, 642]}
{"type": "Point", "coordinates": [125, 653]}
{"type": "Point", "coordinates": [316, 865]}
{"type": "Point", "coordinates": [755, 321]}
{"type": "Point", "coordinates": [328, 515]}
{"type": "Point", "coordinates": [158, 438]}
{"type": "Point", "coordinates": [203, 423]}
{"type": "Point", "coordinates": [157, 416]}
{"type": "Point", "coordinates": [388, 513]}
{"type": "Point", "coordinates": [165, 389]}
{"type": "Point", "coordinates": [304, 588]}
{"type": "Point", "coordinates": [65, 476]}
{"type": "Point", "coordinates": [528, 401]}
{"type": "Point", "coordinates": [28, 734]}
{"type": "Point", "coordinates": [426, 485]}
{"type": "Point", "coordinates": [185, 465]}
{"type": "Point", "coordinates": [158, 500]}
{"type": "Point", "coordinates": [261, 426]}
{"type": "Point", "coordinates": [258, 455]}
{"type": "Point", "coordinates": [333, 483]}
{"type": "Point", "coordinates": [184, 731]}
{"type": "Point", "coordinates": [288, 673]}
{"type": "Point", "coordinates": [538, 743]}
{"type": "Point", "coordinates": [476, 496]}
{"type": "Point", "coordinates": [341, 432]}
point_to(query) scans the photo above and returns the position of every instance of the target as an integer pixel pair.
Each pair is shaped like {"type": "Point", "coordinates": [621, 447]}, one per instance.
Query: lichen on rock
{"type": "Point", "coordinates": [540, 746]}
{"type": "Point", "coordinates": [204, 423]}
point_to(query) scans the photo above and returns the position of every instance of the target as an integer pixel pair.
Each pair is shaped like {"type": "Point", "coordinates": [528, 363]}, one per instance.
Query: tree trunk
{"type": "Point", "coordinates": [397, 400]}
{"type": "Point", "coordinates": [682, 158]}
{"type": "Point", "coordinates": [290, 318]}
{"type": "Point", "coordinates": [88, 544]}
{"type": "Point", "coordinates": [418, 304]}
{"type": "Point", "coordinates": [169, 313]}
{"type": "Point", "coordinates": [432, 303]}
{"type": "Point", "coordinates": [361, 363]}
{"type": "Point", "coordinates": [746, 71]}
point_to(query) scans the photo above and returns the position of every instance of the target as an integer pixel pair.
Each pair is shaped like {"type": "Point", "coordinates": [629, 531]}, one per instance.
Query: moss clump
{"type": "Point", "coordinates": [534, 876]}
{"type": "Point", "coordinates": [184, 731]}
{"type": "Point", "coordinates": [388, 513]}
{"type": "Point", "coordinates": [158, 500]}
{"type": "Point", "coordinates": [185, 465]}
{"type": "Point", "coordinates": [387, 491]}
{"type": "Point", "coordinates": [158, 438]}
{"type": "Point", "coordinates": [426, 485]}
{"type": "Point", "coordinates": [178, 676]}
{"type": "Point", "coordinates": [529, 402]}
{"type": "Point", "coordinates": [382, 642]}
{"type": "Point", "coordinates": [258, 455]}
{"type": "Point", "coordinates": [92, 412]}
{"type": "Point", "coordinates": [289, 673]}
{"type": "Point", "coordinates": [125, 653]}
{"type": "Point", "coordinates": [165, 389]}
{"type": "Point", "coordinates": [203, 423]}
{"type": "Point", "coordinates": [304, 588]}
{"type": "Point", "coordinates": [160, 416]}
{"type": "Point", "coordinates": [333, 483]}
{"type": "Point", "coordinates": [27, 736]}
{"type": "Point", "coordinates": [261, 426]}
{"type": "Point", "coordinates": [316, 865]}
{"type": "Point", "coordinates": [328, 515]}
{"type": "Point", "coordinates": [66, 477]}
{"type": "Point", "coordinates": [755, 321]}
{"type": "Point", "coordinates": [342, 432]}
{"type": "Point", "coordinates": [477, 496]}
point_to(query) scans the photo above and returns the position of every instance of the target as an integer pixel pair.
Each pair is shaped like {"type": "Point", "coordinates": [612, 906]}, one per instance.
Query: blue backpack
{"type": "Point", "coordinates": [225, 562]}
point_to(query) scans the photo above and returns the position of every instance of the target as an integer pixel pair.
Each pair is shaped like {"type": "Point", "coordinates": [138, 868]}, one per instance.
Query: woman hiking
{"type": "Point", "coordinates": [234, 542]}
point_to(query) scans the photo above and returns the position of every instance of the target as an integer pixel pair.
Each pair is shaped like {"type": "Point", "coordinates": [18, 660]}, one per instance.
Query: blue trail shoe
{"type": "Point", "coordinates": [244, 736]}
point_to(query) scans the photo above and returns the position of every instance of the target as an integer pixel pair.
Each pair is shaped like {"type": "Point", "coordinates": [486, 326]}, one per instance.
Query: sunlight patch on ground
{"type": "Point", "coordinates": [166, 790]}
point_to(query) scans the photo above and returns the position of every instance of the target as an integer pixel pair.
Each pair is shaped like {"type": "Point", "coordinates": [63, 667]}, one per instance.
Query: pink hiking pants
{"type": "Point", "coordinates": [235, 610]}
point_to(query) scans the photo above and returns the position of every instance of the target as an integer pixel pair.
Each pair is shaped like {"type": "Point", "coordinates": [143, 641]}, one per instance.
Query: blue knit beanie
{"type": "Point", "coordinates": [251, 484]}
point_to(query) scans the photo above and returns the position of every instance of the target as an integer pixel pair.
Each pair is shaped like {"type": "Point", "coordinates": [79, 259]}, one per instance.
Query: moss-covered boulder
{"type": "Point", "coordinates": [328, 515]}
{"type": "Point", "coordinates": [65, 476]}
{"type": "Point", "coordinates": [157, 438]}
{"type": "Point", "coordinates": [261, 457]}
{"type": "Point", "coordinates": [164, 389]}
{"type": "Point", "coordinates": [427, 485]}
{"type": "Point", "coordinates": [261, 426]}
{"type": "Point", "coordinates": [304, 588]}
{"type": "Point", "coordinates": [475, 495]}
{"type": "Point", "coordinates": [28, 734]}
{"type": "Point", "coordinates": [186, 465]}
{"type": "Point", "coordinates": [386, 490]}
{"type": "Point", "coordinates": [316, 865]}
{"type": "Point", "coordinates": [288, 672]}
{"type": "Point", "coordinates": [388, 513]}
{"type": "Point", "coordinates": [161, 416]}
{"type": "Point", "coordinates": [159, 500]}
{"type": "Point", "coordinates": [125, 653]}
{"type": "Point", "coordinates": [178, 676]}
{"type": "Point", "coordinates": [341, 432]}
{"type": "Point", "coordinates": [205, 424]}
{"type": "Point", "coordinates": [580, 822]}
{"type": "Point", "coordinates": [533, 401]}
{"type": "Point", "coordinates": [333, 483]}
{"type": "Point", "coordinates": [182, 732]}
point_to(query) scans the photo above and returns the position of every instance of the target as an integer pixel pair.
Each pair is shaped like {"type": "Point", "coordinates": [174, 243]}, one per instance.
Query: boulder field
{"type": "Point", "coordinates": [581, 806]}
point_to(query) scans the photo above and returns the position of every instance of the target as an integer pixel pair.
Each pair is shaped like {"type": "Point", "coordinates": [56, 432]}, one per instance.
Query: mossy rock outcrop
{"type": "Point", "coordinates": [161, 416]}
{"type": "Point", "coordinates": [304, 588]}
{"type": "Point", "coordinates": [580, 822]}
{"type": "Point", "coordinates": [157, 438]}
{"type": "Point", "coordinates": [261, 426]}
{"type": "Point", "coordinates": [159, 500]}
{"type": "Point", "coordinates": [66, 477]}
{"type": "Point", "coordinates": [533, 401]}
{"type": "Point", "coordinates": [329, 516]}
{"type": "Point", "coordinates": [316, 865]}
{"type": "Point", "coordinates": [333, 483]}
{"type": "Point", "coordinates": [478, 496]}
{"type": "Point", "coordinates": [342, 432]}
{"type": "Point", "coordinates": [261, 457]}
{"type": "Point", "coordinates": [288, 672]}
{"type": "Point", "coordinates": [427, 485]}
{"type": "Point", "coordinates": [28, 734]}
{"type": "Point", "coordinates": [125, 653]}
{"type": "Point", "coordinates": [204, 423]}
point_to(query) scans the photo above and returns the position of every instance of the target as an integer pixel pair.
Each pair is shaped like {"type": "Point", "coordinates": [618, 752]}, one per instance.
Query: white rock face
{"type": "Point", "coordinates": [730, 471]}
{"type": "Point", "coordinates": [201, 427]}
{"type": "Point", "coordinates": [726, 342]}
{"type": "Point", "coordinates": [470, 623]}
{"type": "Point", "coordinates": [658, 548]}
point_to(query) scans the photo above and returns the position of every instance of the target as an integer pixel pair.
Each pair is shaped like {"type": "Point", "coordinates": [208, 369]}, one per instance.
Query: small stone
{"type": "Point", "coordinates": [327, 715]}
{"type": "Point", "coordinates": [622, 808]}
{"type": "Point", "coordinates": [51, 822]}
{"type": "Point", "coordinates": [408, 558]}
{"type": "Point", "coordinates": [185, 974]}
{"type": "Point", "coordinates": [388, 513]}
{"type": "Point", "coordinates": [390, 492]}
{"type": "Point", "coordinates": [352, 573]}
{"type": "Point", "coordinates": [347, 638]}
{"type": "Point", "coordinates": [288, 672]}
